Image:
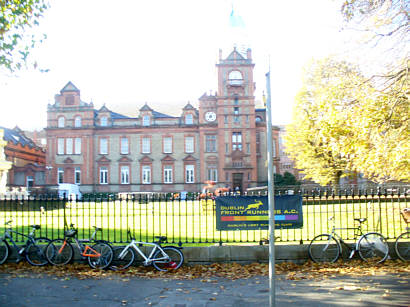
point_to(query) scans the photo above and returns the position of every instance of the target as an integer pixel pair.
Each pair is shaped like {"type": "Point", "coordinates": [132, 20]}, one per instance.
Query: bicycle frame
{"type": "Point", "coordinates": [147, 260]}
{"type": "Point", "coordinates": [354, 249]}
{"type": "Point", "coordinates": [30, 239]}
{"type": "Point", "coordinates": [82, 248]}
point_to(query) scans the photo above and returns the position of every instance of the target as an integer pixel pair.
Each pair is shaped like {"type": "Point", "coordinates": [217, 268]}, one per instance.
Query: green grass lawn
{"type": "Point", "coordinates": [193, 221]}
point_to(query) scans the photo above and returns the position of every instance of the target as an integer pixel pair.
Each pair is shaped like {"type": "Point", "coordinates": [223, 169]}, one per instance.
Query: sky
{"type": "Point", "coordinates": [127, 53]}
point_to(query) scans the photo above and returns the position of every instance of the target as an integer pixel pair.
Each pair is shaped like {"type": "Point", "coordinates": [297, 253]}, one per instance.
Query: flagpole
{"type": "Point", "coordinates": [271, 195]}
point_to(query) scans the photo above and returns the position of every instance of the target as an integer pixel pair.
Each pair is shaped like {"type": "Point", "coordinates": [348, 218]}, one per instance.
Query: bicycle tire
{"type": "Point", "coordinates": [35, 252]}
{"type": "Point", "coordinates": [4, 251]}
{"type": "Point", "coordinates": [402, 246]}
{"type": "Point", "coordinates": [59, 253]}
{"type": "Point", "coordinates": [105, 259]}
{"type": "Point", "coordinates": [320, 251]}
{"type": "Point", "coordinates": [372, 246]}
{"type": "Point", "coordinates": [118, 264]}
{"type": "Point", "coordinates": [176, 259]}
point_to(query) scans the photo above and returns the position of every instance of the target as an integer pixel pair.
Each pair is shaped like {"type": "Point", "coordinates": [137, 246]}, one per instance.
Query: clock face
{"type": "Point", "coordinates": [210, 116]}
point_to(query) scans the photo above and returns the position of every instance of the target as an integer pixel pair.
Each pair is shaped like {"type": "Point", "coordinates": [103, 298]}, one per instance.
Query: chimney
{"type": "Point", "coordinates": [249, 54]}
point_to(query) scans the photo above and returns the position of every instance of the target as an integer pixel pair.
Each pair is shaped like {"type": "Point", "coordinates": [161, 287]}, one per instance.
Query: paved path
{"type": "Point", "coordinates": [44, 290]}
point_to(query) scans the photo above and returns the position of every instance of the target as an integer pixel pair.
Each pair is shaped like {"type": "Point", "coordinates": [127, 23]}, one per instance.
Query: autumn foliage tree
{"type": "Point", "coordinates": [16, 41]}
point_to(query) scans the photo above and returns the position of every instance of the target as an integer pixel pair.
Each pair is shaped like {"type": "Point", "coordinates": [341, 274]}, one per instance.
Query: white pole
{"type": "Point", "coordinates": [271, 195]}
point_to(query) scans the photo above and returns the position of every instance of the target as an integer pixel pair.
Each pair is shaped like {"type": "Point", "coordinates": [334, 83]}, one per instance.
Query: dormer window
{"type": "Point", "coordinates": [146, 120]}
{"type": "Point", "coordinates": [235, 78]}
{"type": "Point", "coordinates": [189, 119]}
{"type": "Point", "coordinates": [61, 122]}
{"type": "Point", "coordinates": [77, 121]}
{"type": "Point", "coordinates": [104, 121]}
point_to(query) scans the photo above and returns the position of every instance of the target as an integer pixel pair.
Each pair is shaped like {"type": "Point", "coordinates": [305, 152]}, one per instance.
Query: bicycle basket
{"type": "Point", "coordinates": [70, 232]}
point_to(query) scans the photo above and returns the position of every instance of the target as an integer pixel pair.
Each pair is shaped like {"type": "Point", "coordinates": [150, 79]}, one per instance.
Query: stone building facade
{"type": "Point", "coordinates": [223, 140]}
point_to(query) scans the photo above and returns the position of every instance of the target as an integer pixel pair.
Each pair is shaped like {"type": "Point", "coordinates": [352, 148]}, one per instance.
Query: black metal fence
{"type": "Point", "coordinates": [188, 219]}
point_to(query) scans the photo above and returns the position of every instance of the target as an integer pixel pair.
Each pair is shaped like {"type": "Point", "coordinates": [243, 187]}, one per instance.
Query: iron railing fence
{"type": "Point", "coordinates": [188, 219]}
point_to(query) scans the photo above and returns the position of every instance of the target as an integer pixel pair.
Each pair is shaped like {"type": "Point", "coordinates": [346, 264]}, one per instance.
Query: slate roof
{"type": "Point", "coordinates": [161, 115]}
{"type": "Point", "coordinates": [16, 136]}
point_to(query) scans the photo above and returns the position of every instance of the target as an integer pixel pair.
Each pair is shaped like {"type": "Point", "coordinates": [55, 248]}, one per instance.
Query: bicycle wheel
{"type": "Point", "coordinates": [104, 260]}
{"type": "Point", "coordinates": [402, 246]}
{"type": "Point", "coordinates": [59, 252]}
{"type": "Point", "coordinates": [118, 264]}
{"type": "Point", "coordinates": [324, 248]}
{"type": "Point", "coordinates": [4, 251]}
{"type": "Point", "coordinates": [35, 252]}
{"type": "Point", "coordinates": [173, 262]}
{"type": "Point", "coordinates": [373, 247]}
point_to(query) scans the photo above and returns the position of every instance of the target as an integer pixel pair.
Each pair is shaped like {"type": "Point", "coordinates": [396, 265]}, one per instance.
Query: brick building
{"type": "Point", "coordinates": [27, 158]}
{"type": "Point", "coordinates": [223, 140]}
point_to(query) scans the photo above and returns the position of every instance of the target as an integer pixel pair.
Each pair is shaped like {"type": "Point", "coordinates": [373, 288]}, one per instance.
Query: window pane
{"type": "Point", "coordinates": [210, 141]}
{"type": "Point", "coordinates": [77, 146]}
{"type": "Point", "coordinates": [189, 144]}
{"type": "Point", "coordinates": [69, 146]}
{"type": "Point", "coordinates": [61, 122]}
{"type": "Point", "coordinates": [146, 145]}
{"type": "Point", "coordinates": [125, 175]}
{"type": "Point", "coordinates": [146, 120]}
{"type": "Point", "coordinates": [103, 146]}
{"type": "Point", "coordinates": [77, 121]}
{"type": "Point", "coordinates": [77, 175]}
{"type": "Point", "coordinates": [60, 175]}
{"type": "Point", "coordinates": [146, 174]}
{"type": "Point", "coordinates": [60, 146]}
{"type": "Point", "coordinates": [189, 173]}
{"type": "Point", "coordinates": [167, 174]}
{"type": "Point", "coordinates": [189, 119]}
{"type": "Point", "coordinates": [168, 145]}
{"type": "Point", "coordinates": [103, 121]}
{"type": "Point", "coordinates": [124, 146]}
{"type": "Point", "coordinates": [103, 175]}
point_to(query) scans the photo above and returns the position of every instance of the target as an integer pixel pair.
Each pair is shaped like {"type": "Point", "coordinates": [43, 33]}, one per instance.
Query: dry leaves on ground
{"type": "Point", "coordinates": [206, 273]}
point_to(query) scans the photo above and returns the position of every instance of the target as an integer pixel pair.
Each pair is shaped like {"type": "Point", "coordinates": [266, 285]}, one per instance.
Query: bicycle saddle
{"type": "Point", "coordinates": [361, 220]}
{"type": "Point", "coordinates": [161, 238]}
{"type": "Point", "coordinates": [36, 227]}
{"type": "Point", "coordinates": [97, 229]}
{"type": "Point", "coordinates": [70, 232]}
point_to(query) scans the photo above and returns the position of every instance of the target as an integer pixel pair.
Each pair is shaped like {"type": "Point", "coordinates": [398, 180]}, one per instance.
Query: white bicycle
{"type": "Point", "coordinates": [166, 258]}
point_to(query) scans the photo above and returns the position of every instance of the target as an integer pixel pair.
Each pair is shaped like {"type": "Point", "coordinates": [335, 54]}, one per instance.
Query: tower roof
{"type": "Point", "coordinates": [69, 87]}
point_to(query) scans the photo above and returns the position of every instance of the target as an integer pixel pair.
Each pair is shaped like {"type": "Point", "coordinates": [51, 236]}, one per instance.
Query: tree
{"type": "Point", "coordinates": [289, 179]}
{"type": "Point", "coordinates": [343, 124]}
{"type": "Point", "coordinates": [16, 18]}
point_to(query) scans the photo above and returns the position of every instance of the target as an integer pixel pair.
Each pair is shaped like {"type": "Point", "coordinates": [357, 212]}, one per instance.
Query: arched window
{"type": "Point", "coordinates": [77, 121]}
{"type": "Point", "coordinates": [258, 119]}
{"type": "Point", "coordinates": [146, 120]}
{"type": "Point", "coordinates": [61, 122]}
{"type": "Point", "coordinates": [189, 120]}
{"type": "Point", "coordinates": [235, 78]}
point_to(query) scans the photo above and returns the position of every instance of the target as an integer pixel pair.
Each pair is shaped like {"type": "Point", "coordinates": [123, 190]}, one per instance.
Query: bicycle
{"type": "Point", "coordinates": [371, 246]}
{"type": "Point", "coordinates": [61, 251]}
{"type": "Point", "coordinates": [161, 258]}
{"type": "Point", "coordinates": [32, 250]}
{"type": "Point", "coordinates": [402, 244]}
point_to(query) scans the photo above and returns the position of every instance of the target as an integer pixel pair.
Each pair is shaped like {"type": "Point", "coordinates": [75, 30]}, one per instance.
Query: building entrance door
{"type": "Point", "coordinates": [237, 181]}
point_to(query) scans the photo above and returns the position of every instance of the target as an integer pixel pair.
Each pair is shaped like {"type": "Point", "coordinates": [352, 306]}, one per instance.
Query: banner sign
{"type": "Point", "coordinates": [252, 212]}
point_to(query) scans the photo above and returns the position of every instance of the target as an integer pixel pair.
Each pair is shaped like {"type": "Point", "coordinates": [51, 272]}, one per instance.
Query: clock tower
{"type": "Point", "coordinates": [227, 124]}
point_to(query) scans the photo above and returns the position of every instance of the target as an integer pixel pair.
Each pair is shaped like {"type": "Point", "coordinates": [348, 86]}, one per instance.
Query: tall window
{"type": "Point", "coordinates": [77, 175]}
{"type": "Point", "coordinates": [146, 174]}
{"type": "Point", "coordinates": [125, 174]}
{"type": "Point", "coordinates": [124, 146]}
{"type": "Point", "coordinates": [146, 120]}
{"type": "Point", "coordinates": [103, 146]}
{"type": "Point", "coordinates": [236, 110]}
{"type": "Point", "coordinates": [167, 144]}
{"type": "Point", "coordinates": [236, 140]}
{"type": "Point", "coordinates": [189, 119]}
{"type": "Point", "coordinates": [146, 145]}
{"type": "Point", "coordinates": [103, 175]}
{"type": "Point", "coordinates": [225, 119]}
{"type": "Point", "coordinates": [60, 146]}
{"type": "Point", "coordinates": [189, 174]}
{"type": "Point", "coordinates": [210, 143]}
{"type": "Point", "coordinates": [77, 121]}
{"type": "Point", "coordinates": [189, 144]}
{"type": "Point", "coordinates": [60, 175]}
{"type": "Point", "coordinates": [29, 181]}
{"type": "Point", "coordinates": [167, 174]}
{"type": "Point", "coordinates": [61, 122]}
{"type": "Point", "coordinates": [77, 146]}
{"type": "Point", "coordinates": [69, 146]}
{"type": "Point", "coordinates": [248, 148]}
{"type": "Point", "coordinates": [235, 78]}
{"type": "Point", "coordinates": [104, 121]}
{"type": "Point", "coordinates": [213, 173]}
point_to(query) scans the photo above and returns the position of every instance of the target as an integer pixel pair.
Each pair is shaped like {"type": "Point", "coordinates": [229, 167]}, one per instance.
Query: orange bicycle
{"type": "Point", "coordinates": [61, 251]}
